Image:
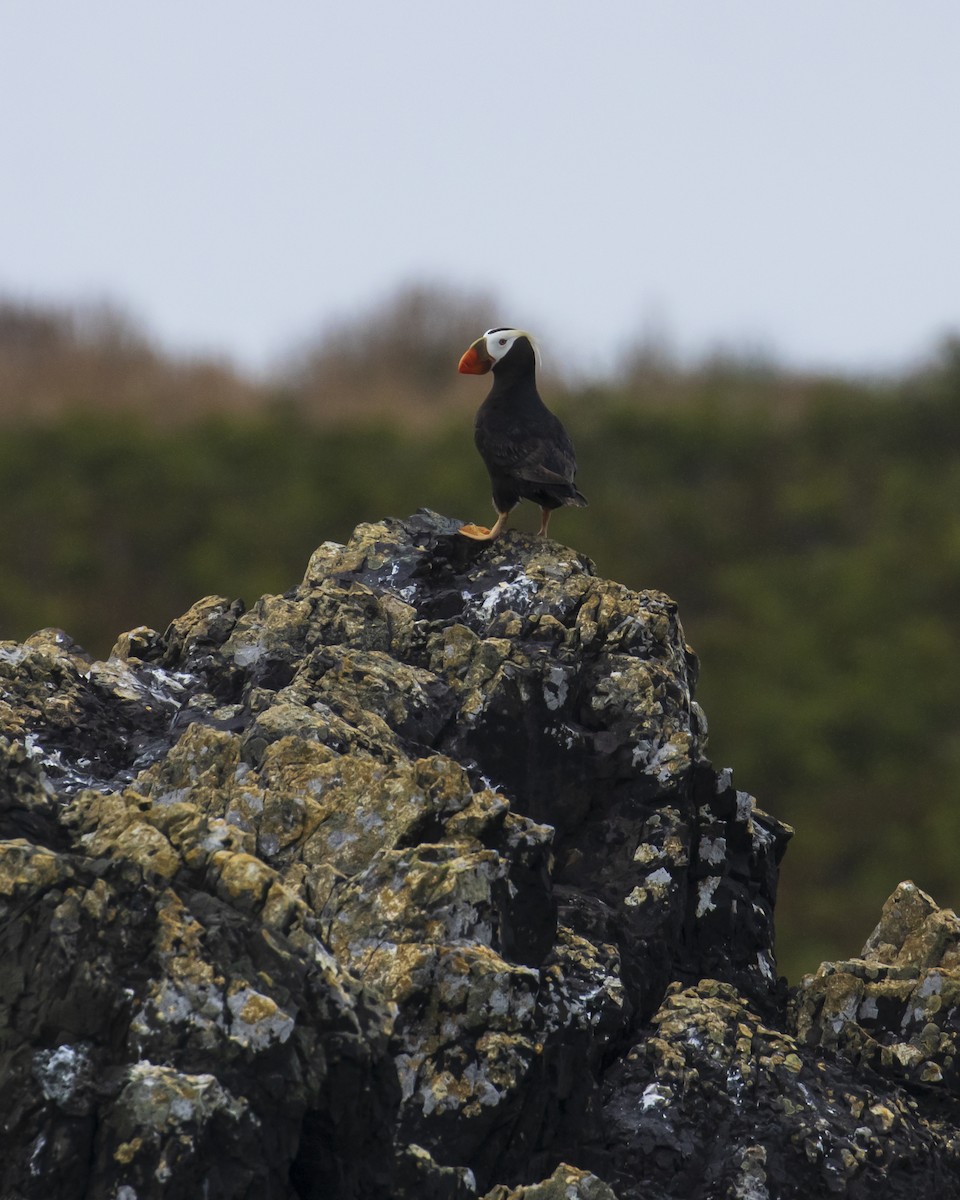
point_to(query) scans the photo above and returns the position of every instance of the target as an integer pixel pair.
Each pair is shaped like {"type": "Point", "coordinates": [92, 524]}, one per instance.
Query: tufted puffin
{"type": "Point", "coordinates": [525, 448]}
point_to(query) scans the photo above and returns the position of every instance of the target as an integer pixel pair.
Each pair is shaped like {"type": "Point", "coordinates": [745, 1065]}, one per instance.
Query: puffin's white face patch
{"type": "Point", "coordinates": [499, 342]}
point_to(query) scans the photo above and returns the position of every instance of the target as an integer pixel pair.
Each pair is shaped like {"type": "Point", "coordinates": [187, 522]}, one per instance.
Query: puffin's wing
{"type": "Point", "coordinates": [536, 458]}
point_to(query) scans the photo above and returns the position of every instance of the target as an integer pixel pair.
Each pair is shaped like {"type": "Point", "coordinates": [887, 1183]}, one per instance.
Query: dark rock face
{"type": "Point", "coordinates": [416, 882]}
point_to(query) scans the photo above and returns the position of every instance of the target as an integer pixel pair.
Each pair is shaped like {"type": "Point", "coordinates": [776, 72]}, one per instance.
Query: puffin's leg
{"type": "Point", "coordinates": [499, 523]}
{"type": "Point", "coordinates": [480, 534]}
{"type": "Point", "coordinates": [544, 520]}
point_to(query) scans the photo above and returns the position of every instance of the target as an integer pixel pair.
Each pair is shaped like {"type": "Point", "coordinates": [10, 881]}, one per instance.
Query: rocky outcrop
{"type": "Point", "coordinates": [416, 881]}
{"type": "Point", "coordinates": [896, 1009]}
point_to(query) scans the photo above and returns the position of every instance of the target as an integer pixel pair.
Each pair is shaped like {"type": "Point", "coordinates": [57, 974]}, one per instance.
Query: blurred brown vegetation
{"type": "Point", "coordinates": [94, 357]}
{"type": "Point", "coordinates": [808, 526]}
{"type": "Point", "coordinates": [393, 361]}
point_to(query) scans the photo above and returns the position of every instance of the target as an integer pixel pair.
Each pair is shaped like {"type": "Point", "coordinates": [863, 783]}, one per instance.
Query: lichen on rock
{"type": "Point", "coordinates": [896, 1008]}
{"type": "Point", "coordinates": [417, 881]}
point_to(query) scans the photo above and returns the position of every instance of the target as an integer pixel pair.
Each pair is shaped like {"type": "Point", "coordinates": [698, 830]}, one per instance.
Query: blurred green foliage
{"type": "Point", "coordinates": [814, 548]}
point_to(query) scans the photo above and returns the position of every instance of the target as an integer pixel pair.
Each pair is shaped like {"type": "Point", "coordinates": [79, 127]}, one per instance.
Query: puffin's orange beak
{"type": "Point", "coordinates": [476, 361]}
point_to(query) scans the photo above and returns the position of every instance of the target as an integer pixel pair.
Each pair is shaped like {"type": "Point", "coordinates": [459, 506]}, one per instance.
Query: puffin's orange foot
{"type": "Point", "coordinates": [479, 533]}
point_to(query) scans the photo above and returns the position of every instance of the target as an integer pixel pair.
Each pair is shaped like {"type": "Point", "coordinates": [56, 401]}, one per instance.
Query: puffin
{"type": "Point", "coordinates": [527, 452]}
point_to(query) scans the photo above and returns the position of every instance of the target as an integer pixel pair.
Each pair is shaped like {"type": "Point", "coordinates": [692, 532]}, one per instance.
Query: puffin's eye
{"type": "Point", "coordinates": [502, 342]}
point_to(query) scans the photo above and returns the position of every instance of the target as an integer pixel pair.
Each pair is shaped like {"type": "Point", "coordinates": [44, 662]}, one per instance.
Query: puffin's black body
{"type": "Point", "coordinates": [526, 449]}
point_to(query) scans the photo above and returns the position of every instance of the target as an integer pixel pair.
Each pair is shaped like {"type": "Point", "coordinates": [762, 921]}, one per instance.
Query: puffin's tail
{"type": "Point", "coordinates": [559, 494]}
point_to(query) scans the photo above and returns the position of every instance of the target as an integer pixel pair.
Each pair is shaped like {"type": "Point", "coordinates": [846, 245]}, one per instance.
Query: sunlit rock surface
{"type": "Point", "coordinates": [416, 882]}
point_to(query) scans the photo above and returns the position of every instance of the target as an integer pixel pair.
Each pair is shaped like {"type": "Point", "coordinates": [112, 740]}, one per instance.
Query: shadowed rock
{"type": "Point", "coordinates": [416, 881]}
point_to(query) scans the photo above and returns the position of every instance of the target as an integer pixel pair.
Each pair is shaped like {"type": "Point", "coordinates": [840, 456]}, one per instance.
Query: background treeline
{"type": "Point", "coordinates": [808, 526]}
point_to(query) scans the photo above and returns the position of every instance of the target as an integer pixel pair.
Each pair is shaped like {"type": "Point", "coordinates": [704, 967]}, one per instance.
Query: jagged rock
{"type": "Point", "coordinates": [414, 881]}
{"type": "Point", "coordinates": [896, 1008]}
{"type": "Point", "coordinates": [721, 1104]}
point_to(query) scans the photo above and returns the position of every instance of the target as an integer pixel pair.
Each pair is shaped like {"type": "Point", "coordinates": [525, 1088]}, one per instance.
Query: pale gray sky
{"type": "Point", "coordinates": [740, 172]}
